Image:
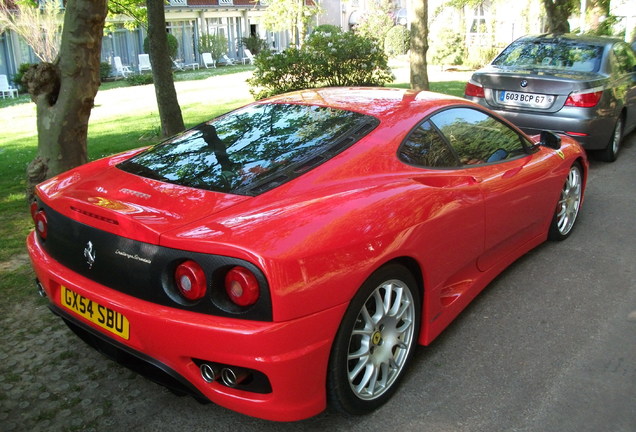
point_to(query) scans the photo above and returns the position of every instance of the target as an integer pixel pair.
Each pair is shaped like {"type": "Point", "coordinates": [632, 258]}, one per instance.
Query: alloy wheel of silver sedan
{"type": "Point", "coordinates": [568, 206]}
{"type": "Point", "coordinates": [376, 340]}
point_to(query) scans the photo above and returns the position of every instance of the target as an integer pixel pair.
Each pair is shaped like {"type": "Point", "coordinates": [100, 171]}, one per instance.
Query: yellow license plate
{"type": "Point", "coordinates": [106, 318]}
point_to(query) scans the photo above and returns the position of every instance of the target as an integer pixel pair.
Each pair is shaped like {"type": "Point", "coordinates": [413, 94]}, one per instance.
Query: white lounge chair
{"type": "Point", "coordinates": [120, 69]}
{"type": "Point", "coordinates": [144, 63]}
{"type": "Point", "coordinates": [249, 57]}
{"type": "Point", "coordinates": [226, 60]}
{"type": "Point", "coordinates": [6, 88]}
{"type": "Point", "coordinates": [178, 65]}
{"type": "Point", "coordinates": [208, 61]}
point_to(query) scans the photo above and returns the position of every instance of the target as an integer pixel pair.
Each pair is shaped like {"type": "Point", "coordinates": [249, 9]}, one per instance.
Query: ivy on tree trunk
{"type": "Point", "coordinates": [64, 92]}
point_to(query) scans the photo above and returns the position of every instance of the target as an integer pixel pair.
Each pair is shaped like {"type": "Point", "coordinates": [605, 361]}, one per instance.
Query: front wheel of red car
{"type": "Point", "coordinates": [567, 209]}
{"type": "Point", "coordinates": [375, 341]}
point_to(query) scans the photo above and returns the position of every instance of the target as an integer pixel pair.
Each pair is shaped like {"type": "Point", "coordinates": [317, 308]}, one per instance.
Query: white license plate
{"type": "Point", "coordinates": [531, 100]}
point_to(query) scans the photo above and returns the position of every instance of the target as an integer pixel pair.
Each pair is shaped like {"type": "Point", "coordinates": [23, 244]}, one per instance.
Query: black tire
{"type": "Point", "coordinates": [381, 340]}
{"type": "Point", "coordinates": [609, 153]}
{"type": "Point", "coordinates": [567, 209]}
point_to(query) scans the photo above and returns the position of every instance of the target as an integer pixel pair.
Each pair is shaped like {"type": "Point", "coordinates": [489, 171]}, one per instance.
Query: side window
{"type": "Point", "coordinates": [476, 137]}
{"type": "Point", "coordinates": [425, 147]}
{"type": "Point", "coordinates": [625, 58]}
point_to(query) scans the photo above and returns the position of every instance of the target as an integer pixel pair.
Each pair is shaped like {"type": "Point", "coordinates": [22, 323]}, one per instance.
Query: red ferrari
{"type": "Point", "coordinates": [293, 252]}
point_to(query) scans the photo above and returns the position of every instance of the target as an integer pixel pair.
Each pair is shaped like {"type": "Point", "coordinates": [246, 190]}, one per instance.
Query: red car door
{"type": "Point", "coordinates": [512, 176]}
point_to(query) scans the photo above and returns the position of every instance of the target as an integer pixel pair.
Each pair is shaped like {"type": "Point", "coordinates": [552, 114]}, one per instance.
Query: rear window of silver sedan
{"type": "Point", "coordinates": [563, 55]}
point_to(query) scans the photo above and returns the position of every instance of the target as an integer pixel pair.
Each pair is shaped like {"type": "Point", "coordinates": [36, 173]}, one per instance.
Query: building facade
{"type": "Point", "coordinates": [187, 20]}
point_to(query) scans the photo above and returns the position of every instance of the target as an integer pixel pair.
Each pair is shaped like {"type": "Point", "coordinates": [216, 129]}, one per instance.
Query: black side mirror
{"type": "Point", "coordinates": [550, 139]}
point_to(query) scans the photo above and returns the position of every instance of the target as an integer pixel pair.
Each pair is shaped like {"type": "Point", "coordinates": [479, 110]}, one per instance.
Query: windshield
{"type": "Point", "coordinates": [253, 149]}
{"type": "Point", "coordinates": [557, 54]}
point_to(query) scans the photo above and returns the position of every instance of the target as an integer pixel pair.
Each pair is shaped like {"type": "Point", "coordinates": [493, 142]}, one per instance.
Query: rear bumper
{"type": "Point", "coordinates": [292, 355]}
{"type": "Point", "coordinates": [589, 126]}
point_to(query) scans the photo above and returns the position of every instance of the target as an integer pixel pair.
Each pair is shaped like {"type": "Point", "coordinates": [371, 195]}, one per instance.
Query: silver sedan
{"type": "Point", "coordinates": [581, 86]}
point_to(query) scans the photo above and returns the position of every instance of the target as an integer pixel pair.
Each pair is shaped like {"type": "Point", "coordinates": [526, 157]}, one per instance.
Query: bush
{"type": "Point", "coordinates": [397, 41]}
{"type": "Point", "coordinates": [17, 78]}
{"type": "Point", "coordinates": [376, 22]}
{"type": "Point", "coordinates": [347, 59]}
{"type": "Point", "coordinates": [481, 56]}
{"type": "Point", "coordinates": [326, 59]}
{"type": "Point", "coordinates": [255, 44]}
{"type": "Point", "coordinates": [280, 73]}
{"type": "Point", "coordinates": [449, 49]}
{"type": "Point", "coordinates": [327, 28]}
{"type": "Point", "coordinates": [141, 79]}
{"type": "Point", "coordinates": [173, 45]}
{"type": "Point", "coordinates": [214, 44]}
{"type": "Point", "coordinates": [104, 71]}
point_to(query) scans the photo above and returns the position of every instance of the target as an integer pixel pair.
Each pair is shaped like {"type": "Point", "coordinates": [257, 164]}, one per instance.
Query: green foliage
{"type": "Point", "coordinates": [448, 48]}
{"type": "Point", "coordinates": [326, 59]}
{"type": "Point", "coordinates": [376, 22]}
{"type": "Point", "coordinates": [255, 44]}
{"type": "Point", "coordinates": [17, 78]}
{"type": "Point", "coordinates": [607, 28]}
{"type": "Point", "coordinates": [280, 73]}
{"type": "Point", "coordinates": [135, 9]}
{"type": "Point", "coordinates": [291, 15]}
{"type": "Point", "coordinates": [214, 44]}
{"type": "Point", "coordinates": [173, 45]}
{"type": "Point", "coordinates": [104, 71]}
{"type": "Point", "coordinates": [139, 79]}
{"type": "Point", "coordinates": [481, 56]}
{"type": "Point", "coordinates": [345, 59]}
{"type": "Point", "coordinates": [397, 41]}
{"type": "Point", "coordinates": [327, 28]}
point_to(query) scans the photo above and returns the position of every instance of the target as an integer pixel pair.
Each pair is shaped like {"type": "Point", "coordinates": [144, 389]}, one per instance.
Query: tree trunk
{"type": "Point", "coordinates": [419, 45]}
{"type": "Point", "coordinates": [64, 92]}
{"type": "Point", "coordinates": [558, 12]}
{"type": "Point", "coordinates": [169, 109]}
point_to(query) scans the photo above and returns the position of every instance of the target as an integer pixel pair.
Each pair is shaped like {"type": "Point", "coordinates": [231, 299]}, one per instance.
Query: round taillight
{"type": "Point", "coordinates": [190, 280]}
{"type": "Point", "coordinates": [41, 224]}
{"type": "Point", "coordinates": [241, 286]}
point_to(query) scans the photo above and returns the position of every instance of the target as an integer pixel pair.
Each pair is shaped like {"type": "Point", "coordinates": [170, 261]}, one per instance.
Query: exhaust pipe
{"type": "Point", "coordinates": [40, 288]}
{"type": "Point", "coordinates": [209, 372]}
{"type": "Point", "coordinates": [233, 377]}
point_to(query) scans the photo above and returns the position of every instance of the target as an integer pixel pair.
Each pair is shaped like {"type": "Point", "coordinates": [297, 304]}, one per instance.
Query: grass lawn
{"type": "Point", "coordinates": [123, 118]}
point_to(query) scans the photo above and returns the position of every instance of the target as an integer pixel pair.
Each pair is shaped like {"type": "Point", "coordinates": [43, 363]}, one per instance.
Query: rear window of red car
{"type": "Point", "coordinates": [254, 149]}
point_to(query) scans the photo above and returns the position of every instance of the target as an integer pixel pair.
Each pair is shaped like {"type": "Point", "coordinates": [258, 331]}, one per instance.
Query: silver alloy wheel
{"type": "Point", "coordinates": [568, 207]}
{"type": "Point", "coordinates": [382, 337]}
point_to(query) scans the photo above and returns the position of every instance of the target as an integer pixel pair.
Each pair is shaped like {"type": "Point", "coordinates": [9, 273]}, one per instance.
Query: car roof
{"type": "Point", "coordinates": [571, 38]}
{"type": "Point", "coordinates": [380, 102]}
